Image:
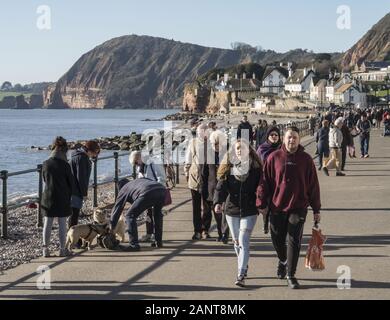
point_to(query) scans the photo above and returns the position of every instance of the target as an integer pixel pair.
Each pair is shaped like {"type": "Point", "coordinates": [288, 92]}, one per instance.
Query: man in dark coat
{"type": "Point", "coordinates": [245, 128]}
{"type": "Point", "coordinates": [322, 139]}
{"type": "Point", "coordinates": [142, 194]}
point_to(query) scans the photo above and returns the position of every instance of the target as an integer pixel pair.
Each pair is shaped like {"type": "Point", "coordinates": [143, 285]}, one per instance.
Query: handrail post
{"type": "Point", "coordinates": [177, 165]}
{"type": "Point", "coordinates": [40, 191]}
{"type": "Point", "coordinates": [95, 184]}
{"type": "Point", "coordinates": [116, 173]}
{"type": "Point", "coordinates": [4, 208]}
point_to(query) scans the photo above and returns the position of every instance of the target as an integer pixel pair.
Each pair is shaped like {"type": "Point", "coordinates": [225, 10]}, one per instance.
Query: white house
{"type": "Point", "coordinates": [298, 83]}
{"type": "Point", "coordinates": [350, 93]}
{"type": "Point", "coordinates": [334, 83]}
{"type": "Point", "coordinates": [318, 90]}
{"type": "Point", "coordinates": [274, 80]}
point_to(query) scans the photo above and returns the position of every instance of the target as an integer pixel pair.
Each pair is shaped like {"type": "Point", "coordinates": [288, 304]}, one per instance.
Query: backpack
{"type": "Point", "coordinates": [108, 241]}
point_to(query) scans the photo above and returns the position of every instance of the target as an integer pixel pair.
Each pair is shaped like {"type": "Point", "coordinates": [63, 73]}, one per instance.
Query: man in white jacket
{"type": "Point", "coordinates": [335, 142]}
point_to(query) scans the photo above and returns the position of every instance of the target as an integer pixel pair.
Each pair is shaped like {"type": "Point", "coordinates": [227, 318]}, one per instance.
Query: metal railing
{"type": "Point", "coordinates": [5, 175]}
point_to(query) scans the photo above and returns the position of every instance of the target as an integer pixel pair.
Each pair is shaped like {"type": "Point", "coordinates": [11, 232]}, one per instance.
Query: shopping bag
{"type": "Point", "coordinates": [314, 256]}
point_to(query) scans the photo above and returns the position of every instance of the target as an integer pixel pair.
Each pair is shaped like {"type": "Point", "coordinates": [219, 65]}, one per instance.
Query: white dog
{"type": "Point", "coordinates": [101, 215]}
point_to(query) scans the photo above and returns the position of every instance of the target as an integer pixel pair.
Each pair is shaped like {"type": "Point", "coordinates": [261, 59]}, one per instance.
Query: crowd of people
{"type": "Point", "coordinates": [337, 132]}
{"type": "Point", "coordinates": [260, 172]}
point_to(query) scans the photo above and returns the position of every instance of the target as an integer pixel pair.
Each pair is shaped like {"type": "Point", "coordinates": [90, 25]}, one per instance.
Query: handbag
{"type": "Point", "coordinates": [168, 197]}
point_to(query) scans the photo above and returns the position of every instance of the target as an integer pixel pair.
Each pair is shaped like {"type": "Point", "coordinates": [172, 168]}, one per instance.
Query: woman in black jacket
{"type": "Point", "coordinates": [56, 195]}
{"type": "Point", "coordinates": [238, 178]}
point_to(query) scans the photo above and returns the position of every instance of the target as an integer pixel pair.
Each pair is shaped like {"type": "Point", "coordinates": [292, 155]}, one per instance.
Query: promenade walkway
{"type": "Point", "coordinates": [356, 219]}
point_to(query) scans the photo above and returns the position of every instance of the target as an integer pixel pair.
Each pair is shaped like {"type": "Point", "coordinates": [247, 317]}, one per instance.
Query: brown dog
{"type": "Point", "coordinates": [101, 215]}
{"type": "Point", "coordinates": [87, 233]}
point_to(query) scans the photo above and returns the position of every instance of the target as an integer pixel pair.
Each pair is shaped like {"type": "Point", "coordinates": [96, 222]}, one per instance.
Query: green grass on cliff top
{"type": "Point", "coordinates": [14, 94]}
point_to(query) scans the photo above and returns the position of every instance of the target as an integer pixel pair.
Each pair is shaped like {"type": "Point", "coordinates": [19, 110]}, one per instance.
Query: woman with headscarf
{"type": "Point", "coordinates": [273, 143]}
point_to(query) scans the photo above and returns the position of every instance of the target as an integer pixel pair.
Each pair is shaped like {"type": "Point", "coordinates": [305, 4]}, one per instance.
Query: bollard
{"type": "Point", "coordinates": [116, 174]}
{"type": "Point", "coordinates": [4, 208]}
{"type": "Point", "coordinates": [94, 185]}
{"type": "Point", "coordinates": [40, 191]}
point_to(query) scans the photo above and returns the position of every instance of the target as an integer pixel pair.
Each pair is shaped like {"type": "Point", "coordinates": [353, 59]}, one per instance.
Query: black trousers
{"type": "Point", "coordinates": [290, 226]}
{"type": "Point", "coordinates": [343, 157]}
{"type": "Point", "coordinates": [150, 225]}
{"type": "Point", "coordinates": [202, 218]}
{"type": "Point", "coordinates": [224, 225]}
{"type": "Point", "coordinates": [266, 220]}
{"type": "Point", "coordinates": [73, 220]}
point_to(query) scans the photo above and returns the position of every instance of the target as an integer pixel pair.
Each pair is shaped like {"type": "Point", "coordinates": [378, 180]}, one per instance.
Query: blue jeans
{"type": "Point", "coordinates": [241, 229]}
{"type": "Point", "coordinates": [364, 144]}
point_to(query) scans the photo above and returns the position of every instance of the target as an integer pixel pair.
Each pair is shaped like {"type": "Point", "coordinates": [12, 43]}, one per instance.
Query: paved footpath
{"type": "Point", "coordinates": [356, 219]}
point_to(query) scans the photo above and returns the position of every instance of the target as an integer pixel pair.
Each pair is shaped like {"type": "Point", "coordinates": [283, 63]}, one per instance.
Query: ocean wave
{"type": "Point", "coordinates": [19, 197]}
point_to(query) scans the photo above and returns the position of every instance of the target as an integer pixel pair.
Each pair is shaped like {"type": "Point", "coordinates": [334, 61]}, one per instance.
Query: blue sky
{"type": "Point", "coordinates": [28, 54]}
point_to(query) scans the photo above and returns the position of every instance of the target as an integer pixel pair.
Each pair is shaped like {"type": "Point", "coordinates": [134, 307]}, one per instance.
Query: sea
{"type": "Point", "coordinates": [22, 129]}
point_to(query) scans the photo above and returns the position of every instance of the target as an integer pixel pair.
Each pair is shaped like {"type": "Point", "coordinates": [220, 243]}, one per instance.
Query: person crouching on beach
{"type": "Point", "coordinates": [57, 194]}
{"type": "Point", "coordinates": [238, 178]}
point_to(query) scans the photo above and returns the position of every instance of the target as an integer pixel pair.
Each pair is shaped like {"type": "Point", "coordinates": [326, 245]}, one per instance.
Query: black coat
{"type": "Point", "coordinates": [81, 168]}
{"type": "Point", "coordinates": [322, 139]}
{"type": "Point", "coordinates": [245, 126]}
{"type": "Point", "coordinates": [347, 137]}
{"type": "Point", "coordinates": [58, 188]}
{"type": "Point", "coordinates": [260, 135]}
{"type": "Point", "coordinates": [239, 197]}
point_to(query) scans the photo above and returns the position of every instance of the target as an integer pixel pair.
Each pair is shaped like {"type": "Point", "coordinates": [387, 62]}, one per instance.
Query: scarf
{"type": "Point", "coordinates": [241, 170]}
